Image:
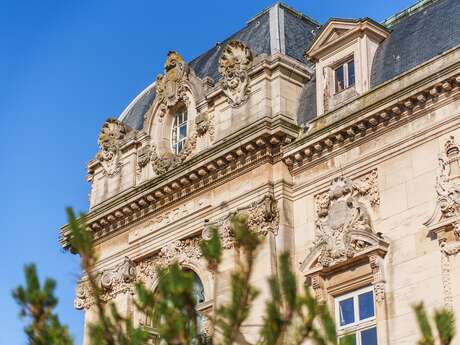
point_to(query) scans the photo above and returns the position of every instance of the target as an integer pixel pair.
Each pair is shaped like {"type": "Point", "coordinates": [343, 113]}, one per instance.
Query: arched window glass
{"type": "Point", "coordinates": [179, 130]}
{"type": "Point", "coordinates": [198, 293]}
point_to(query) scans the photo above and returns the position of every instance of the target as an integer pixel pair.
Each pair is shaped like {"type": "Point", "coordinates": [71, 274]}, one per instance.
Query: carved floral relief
{"type": "Point", "coordinates": [110, 137]}
{"type": "Point", "coordinates": [233, 66]}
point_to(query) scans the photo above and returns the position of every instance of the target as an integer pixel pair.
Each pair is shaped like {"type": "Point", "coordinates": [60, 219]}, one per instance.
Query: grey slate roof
{"type": "Point", "coordinates": [414, 39]}
{"type": "Point", "coordinates": [134, 116]}
{"type": "Point", "coordinates": [257, 34]}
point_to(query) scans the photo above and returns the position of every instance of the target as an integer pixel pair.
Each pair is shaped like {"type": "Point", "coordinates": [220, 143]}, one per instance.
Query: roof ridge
{"type": "Point", "coordinates": [407, 12]}
{"type": "Point", "coordinates": [288, 8]}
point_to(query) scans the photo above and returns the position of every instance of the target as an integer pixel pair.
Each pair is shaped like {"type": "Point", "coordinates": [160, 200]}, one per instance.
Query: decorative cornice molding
{"type": "Point", "coordinates": [310, 147]}
{"type": "Point", "coordinates": [164, 191]}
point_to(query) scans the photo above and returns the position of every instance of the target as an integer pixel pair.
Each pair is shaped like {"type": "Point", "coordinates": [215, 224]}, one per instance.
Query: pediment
{"type": "Point", "coordinates": [337, 31]}
{"type": "Point", "coordinates": [333, 32]}
{"type": "Point", "coordinates": [364, 244]}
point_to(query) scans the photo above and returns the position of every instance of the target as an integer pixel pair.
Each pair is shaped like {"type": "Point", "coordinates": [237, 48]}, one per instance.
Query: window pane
{"type": "Point", "coordinates": [349, 339]}
{"type": "Point", "coordinates": [346, 312]}
{"type": "Point", "coordinates": [369, 336]}
{"type": "Point", "coordinates": [351, 73]}
{"type": "Point", "coordinates": [366, 305]}
{"type": "Point", "coordinates": [182, 132]}
{"type": "Point", "coordinates": [339, 79]}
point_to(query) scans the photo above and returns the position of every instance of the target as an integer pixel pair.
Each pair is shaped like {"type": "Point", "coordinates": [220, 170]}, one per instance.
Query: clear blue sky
{"type": "Point", "coordinates": [65, 66]}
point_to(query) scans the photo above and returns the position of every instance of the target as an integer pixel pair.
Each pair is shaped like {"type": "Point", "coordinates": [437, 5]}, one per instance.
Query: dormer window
{"type": "Point", "coordinates": [179, 130]}
{"type": "Point", "coordinates": [343, 52]}
{"type": "Point", "coordinates": [344, 76]}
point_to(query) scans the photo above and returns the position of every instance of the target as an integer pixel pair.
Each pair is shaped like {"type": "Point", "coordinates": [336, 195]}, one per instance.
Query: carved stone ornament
{"type": "Point", "coordinates": [345, 236]}
{"type": "Point", "coordinates": [339, 214]}
{"type": "Point", "coordinates": [179, 251]}
{"type": "Point", "coordinates": [233, 66]}
{"type": "Point", "coordinates": [112, 282]}
{"type": "Point", "coordinates": [445, 221]}
{"type": "Point", "coordinates": [167, 161]}
{"type": "Point", "coordinates": [262, 216]}
{"type": "Point", "coordinates": [110, 137]}
{"type": "Point", "coordinates": [204, 124]}
{"type": "Point", "coordinates": [170, 87]}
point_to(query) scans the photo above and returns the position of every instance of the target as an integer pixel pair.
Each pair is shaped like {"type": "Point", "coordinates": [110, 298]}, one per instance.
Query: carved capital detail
{"type": "Point", "coordinates": [233, 66]}
{"type": "Point", "coordinates": [110, 137]}
{"type": "Point", "coordinates": [111, 282]}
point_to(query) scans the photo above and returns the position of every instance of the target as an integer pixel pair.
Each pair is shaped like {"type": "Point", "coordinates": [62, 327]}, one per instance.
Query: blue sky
{"type": "Point", "coordinates": [65, 66]}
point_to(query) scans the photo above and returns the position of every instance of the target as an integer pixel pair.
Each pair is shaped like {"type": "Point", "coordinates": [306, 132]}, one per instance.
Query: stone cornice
{"type": "Point", "coordinates": [248, 148]}
{"type": "Point", "coordinates": [425, 87]}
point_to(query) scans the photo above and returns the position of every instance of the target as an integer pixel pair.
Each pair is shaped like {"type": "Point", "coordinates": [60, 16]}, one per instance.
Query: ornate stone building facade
{"type": "Point", "coordinates": [339, 141]}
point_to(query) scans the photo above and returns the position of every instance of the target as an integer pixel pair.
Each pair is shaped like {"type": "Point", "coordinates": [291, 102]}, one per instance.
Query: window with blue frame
{"type": "Point", "coordinates": [355, 316]}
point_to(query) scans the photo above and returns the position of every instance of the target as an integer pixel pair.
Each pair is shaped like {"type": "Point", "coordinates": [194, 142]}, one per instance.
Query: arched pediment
{"type": "Point", "coordinates": [362, 244]}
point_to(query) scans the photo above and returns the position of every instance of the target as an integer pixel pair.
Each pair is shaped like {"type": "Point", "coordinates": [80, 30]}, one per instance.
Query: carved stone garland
{"type": "Point", "coordinates": [110, 137]}
{"type": "Point", "coordinates": [112, 282]}
{"type": "Point", "coordinates": [445, 222]}
{"type": "Point", "coordinates": [233, 66]}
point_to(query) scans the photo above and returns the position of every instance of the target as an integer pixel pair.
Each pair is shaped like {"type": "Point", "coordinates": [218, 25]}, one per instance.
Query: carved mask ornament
{"type": "Point", "coordinates": [233, 66]}
{"type": "Point", "coordinates": [112, 133]}
{"type": "Point", "coordinates": [339, 215]}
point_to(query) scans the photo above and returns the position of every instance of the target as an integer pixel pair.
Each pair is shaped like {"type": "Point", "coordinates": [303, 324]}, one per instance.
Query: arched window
{"type": "Point", "coordinates": [179, 130]}
{"type": "Point", "coordinates": [198, 292]}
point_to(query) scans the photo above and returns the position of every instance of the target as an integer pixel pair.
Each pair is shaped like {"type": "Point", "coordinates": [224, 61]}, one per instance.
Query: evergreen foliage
{"type": "Point", "coordinates": [37, 304]}
{"type": "Point", "coordinates": [292, 315]}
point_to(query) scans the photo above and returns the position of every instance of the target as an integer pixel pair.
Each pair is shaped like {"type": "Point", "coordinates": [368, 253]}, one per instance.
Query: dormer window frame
{"type": "Point", "coordinates": [338, 40]}
{"type": "Point", "coordinates": [345, 65]}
